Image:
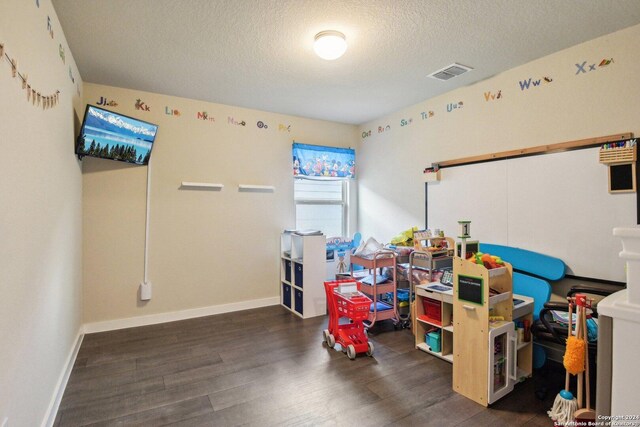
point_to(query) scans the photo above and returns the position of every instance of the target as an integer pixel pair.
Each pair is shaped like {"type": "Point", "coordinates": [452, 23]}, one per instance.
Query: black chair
{"type": "Point", "coordinates": [546, 330]}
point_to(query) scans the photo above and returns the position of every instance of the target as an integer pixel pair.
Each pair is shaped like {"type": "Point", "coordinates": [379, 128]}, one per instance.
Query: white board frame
{"type": "Point", "coordinates": [557, 204]}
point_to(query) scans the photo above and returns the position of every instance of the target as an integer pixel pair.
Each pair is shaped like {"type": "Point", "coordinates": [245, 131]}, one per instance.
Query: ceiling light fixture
{"type": "Point", "coordinates": [330, 45]}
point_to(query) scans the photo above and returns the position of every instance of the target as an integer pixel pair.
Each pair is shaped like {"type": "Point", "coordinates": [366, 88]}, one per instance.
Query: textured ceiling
{"type": "Point", "coordinates": [259, 54]}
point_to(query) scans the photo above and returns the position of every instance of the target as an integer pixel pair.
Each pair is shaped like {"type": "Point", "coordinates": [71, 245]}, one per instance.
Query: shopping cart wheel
{"type": "Point", "coordinates": [325, 335]}
{"type": "Point", "coordinates": [351, 352]}
{"type": "Point", "coordinates": [331, 341]}
{"type": "Point", "coordinates": [369, 349]}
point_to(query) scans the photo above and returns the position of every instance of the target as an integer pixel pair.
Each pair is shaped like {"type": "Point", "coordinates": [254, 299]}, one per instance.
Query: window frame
{"type": "Point", "coordinates": [344, 202]}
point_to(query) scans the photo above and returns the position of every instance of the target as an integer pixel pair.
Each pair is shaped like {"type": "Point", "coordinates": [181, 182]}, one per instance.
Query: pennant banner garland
{"type": "Point", "coordinates": [35, 97]}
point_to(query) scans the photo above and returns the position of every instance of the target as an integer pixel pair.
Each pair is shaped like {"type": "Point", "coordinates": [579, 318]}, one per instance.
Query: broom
{"type": "Point", "coordinates": [565, 404]}
{"type": "Point", "coordinates": [588, 415]}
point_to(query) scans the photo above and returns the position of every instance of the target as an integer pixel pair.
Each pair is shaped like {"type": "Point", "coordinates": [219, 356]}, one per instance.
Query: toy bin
{"type": "Point", "coordinates": [403, 303]}
{"type": "Point", "coordinates": [298, 301]}
{"type": "Point", "coordinates": [287, 271]}
{"type": "Point", "coordinates": [403, 295]}
{"type": "Point", "coordinates": [297, 274]}
{"type": "Point", "coordinates": [433, 341]}
{"type": "Point", "coordinates": [286, 295]}
{"type": "Point", "coordinates": [432, 309]}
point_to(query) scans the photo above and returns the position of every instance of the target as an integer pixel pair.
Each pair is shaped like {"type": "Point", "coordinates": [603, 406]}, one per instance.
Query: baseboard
{"type": "Point", "coordinates": [50, 416]}
{"type": "Point", "coordinates": [152, 319]}
{"type": "Point", "coordinates": [130, 322]}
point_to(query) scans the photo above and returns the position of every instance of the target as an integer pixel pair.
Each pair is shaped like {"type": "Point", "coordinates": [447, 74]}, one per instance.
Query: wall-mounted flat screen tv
{"type": "Point", "coordinates": [113, 136]}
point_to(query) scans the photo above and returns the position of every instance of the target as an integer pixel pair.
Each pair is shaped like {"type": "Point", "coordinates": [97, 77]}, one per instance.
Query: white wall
{"type": "Point", "coordinates": [206, 248]}
{"type": "Point", "coordinates": [571, 107]}
{"type": "Point", "coordinates": [40, 215]}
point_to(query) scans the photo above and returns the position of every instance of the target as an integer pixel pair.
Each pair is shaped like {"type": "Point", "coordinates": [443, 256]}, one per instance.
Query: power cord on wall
{"type": "Point", "coordinates": [145, 286]}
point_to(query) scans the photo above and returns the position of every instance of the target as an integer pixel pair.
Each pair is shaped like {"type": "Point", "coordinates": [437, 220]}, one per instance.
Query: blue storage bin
{"type": "Point", "coordinates": [298, 301]}
{"type": "Point", "coordinates": [402, 294]}
{"type": "Point", "coordinates": [297, 274]}
{"type": "Point", "coordinates": [380, 306]}
{"type": "Point", "coordinates": [433, 341]}
{"type": "Point", "coordinates": [286, 295]}
{"type": "Point", "coordinates": [287, 270]}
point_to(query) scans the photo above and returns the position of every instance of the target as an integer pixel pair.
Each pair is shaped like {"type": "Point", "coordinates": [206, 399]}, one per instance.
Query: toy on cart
{"type": "Point", "coordinates": [349, 305]}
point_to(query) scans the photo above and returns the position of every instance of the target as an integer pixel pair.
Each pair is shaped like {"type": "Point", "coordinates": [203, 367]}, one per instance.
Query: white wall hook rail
{"type": "Point", "coordinates": [202, 185]}
{"type": "Point", "coordinates": [257, 188]}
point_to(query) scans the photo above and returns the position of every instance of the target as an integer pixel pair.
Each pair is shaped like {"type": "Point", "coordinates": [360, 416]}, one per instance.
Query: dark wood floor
{"type": "Point", "coordinates": [268, 367]}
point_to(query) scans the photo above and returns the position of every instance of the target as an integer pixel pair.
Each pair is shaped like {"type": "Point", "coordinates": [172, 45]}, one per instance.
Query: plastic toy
{"type": "Point", "coordinates": [489, 261]}
{"type": "Point", "coordinates": [345, 301]}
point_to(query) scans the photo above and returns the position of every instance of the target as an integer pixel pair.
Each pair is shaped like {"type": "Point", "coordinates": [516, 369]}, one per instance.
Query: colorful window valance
{"type": "Point", "coordinates": [326, 162]}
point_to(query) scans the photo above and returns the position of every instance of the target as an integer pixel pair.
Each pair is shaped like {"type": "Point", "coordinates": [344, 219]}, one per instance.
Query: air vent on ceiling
{"type": "Point", "coordinates": [450, 72]}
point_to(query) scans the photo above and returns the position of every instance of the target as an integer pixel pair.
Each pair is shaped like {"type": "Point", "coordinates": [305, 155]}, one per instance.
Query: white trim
{"type": "Point", "coordinates": [58, 392]}
{"type": "Point", "coordinates": [152, 319]}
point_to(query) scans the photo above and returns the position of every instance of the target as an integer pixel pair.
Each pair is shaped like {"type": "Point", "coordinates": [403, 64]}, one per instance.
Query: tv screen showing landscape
{"type": "Point", "coordinates": [109, 135]}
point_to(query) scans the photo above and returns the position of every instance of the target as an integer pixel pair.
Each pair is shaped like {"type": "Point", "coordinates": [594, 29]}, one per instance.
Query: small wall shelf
{"type": "Point", "coordinates": [617, 155]}
{"type": "Point", "coordinates": [256, 188]}
{"type": "Point", "coordinates": [200, 185]}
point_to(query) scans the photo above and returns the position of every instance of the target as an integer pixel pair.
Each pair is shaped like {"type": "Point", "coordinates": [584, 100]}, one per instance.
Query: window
{"type": "Point", "coordinates": [321, 205]}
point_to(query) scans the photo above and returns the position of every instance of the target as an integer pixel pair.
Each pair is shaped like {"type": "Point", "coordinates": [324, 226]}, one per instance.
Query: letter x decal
{"type": "Point", "coordinates": [581, 69]}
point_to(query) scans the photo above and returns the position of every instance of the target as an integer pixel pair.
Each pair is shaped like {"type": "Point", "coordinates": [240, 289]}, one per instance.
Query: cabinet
{"type": "Point", "coordinates": [502, 377]}
{"type": "Point", "coordinates": [433, 314]}
{"type": "Point", "coordinates": [302, 273]}
{"type": "Point", "coordinates": [523, 311]}
{"type": "Point", "coordinates": [432, 311]}
{"type": "Point", "coordinates": [510, 358]}
{"type": "Point", "coordinates": [488, 358]}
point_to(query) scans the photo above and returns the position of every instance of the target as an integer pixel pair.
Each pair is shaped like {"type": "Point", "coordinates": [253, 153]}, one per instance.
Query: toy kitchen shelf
{"type": "Point", "coordinates": [431, 311]}
{"type": "Point", "coordinates": [483, 345]}
{"type": "Point", "coordinates": [435, 246]}
{"type": "Point", "coordinates": [434, 315]}
{"type": "Point", "coordinates": [302, 274]}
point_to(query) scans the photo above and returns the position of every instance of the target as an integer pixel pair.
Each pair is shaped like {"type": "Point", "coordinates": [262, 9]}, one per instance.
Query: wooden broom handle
{"type": "Point", "coordinates": [579, 335]}
{"type": "Point", "coordinates": [586, 357]}
{"type": "Point", "coordinates": [567, 377]}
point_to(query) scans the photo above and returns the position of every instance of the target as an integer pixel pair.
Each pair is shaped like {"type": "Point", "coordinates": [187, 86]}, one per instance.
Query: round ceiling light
{"type": "Point", "coordinates": [330, 45]}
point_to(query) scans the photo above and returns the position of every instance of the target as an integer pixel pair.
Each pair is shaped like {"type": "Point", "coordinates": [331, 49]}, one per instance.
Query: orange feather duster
{"type": "Point", "coordinates": [574, 355]}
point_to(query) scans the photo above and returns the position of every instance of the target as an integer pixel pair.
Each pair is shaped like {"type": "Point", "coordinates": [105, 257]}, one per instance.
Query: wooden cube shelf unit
{"type": "Point", "coordinates": [424, 324]}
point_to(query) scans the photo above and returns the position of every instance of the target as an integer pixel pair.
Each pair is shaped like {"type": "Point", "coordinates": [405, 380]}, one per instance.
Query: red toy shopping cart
{"type": "Point", "coordinates": [346, 302]}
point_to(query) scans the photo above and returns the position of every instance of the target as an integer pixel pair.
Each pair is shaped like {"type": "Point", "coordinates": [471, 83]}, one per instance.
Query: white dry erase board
{"type": "Point", "coordinates": [557, 204]}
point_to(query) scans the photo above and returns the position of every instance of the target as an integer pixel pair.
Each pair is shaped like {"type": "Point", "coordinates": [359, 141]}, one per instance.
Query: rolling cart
{"type": "Point", "coordinates": [347, 302]}
{"type": "Point", "coordinates": [379, 309]}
